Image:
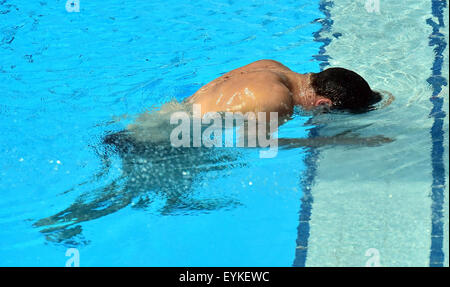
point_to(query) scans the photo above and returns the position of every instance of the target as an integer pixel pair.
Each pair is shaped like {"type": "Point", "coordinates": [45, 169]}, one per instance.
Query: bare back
{"type": "Point", "coordinates": [259, 86]}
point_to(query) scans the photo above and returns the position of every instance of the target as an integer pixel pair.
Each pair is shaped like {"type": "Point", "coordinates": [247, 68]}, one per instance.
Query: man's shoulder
{"type": "Point", "coordinates": [267, 63]}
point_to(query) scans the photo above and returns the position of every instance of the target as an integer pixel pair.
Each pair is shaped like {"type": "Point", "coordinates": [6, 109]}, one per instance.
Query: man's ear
{"type": "Point", "coordinates": [323, 101]}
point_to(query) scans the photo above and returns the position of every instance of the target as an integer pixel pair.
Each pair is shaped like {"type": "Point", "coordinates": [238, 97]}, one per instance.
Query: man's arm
{"type": "Point", "coordinates": [349, 140]}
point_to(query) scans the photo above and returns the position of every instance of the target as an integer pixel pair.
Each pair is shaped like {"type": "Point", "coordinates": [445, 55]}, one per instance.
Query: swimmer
{"type": "Point", "coordinates": [269, 86]}
{"type": "Point", "coordinates": [150, 163]}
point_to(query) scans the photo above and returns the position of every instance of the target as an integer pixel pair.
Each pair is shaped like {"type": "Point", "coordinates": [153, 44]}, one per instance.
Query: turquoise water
{"type": "Point", "coordinates": [392, 198]}
{"type": "Point", "coordinates": [70, 79]}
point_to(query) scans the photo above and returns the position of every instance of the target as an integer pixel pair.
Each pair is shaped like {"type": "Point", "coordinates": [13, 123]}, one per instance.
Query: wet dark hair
{"type": "Point", "coordinates": [346, 89]}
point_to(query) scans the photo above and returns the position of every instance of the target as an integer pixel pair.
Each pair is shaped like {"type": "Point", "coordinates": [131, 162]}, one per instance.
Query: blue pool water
{"type": "Point", "coordinates": [67, 76]}
{"type": "Point", "coordinates": [70, 79]}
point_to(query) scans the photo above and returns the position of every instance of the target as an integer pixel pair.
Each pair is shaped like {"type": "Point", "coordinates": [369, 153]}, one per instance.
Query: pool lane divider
{"type": "Point", "coordinates": [437, 81]}
{"type": "Point", "coordinates": [307, 179]}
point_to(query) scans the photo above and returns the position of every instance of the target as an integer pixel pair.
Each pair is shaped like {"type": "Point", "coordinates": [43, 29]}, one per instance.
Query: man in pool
{"type": "Point", "coordinates": [269, 86]}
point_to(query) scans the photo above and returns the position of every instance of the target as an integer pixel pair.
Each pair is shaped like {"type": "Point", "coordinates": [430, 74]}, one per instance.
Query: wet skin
{"type": "Point", "coordinates": [269, 86]}
{"type": "Point", "coordinates": [262, 86]}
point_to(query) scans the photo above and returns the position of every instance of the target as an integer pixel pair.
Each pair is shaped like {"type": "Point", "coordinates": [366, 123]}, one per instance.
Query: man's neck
{"type": "Point", "coordinates": [302, 93]}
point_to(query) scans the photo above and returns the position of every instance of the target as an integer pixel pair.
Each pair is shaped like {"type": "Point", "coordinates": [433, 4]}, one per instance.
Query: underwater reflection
{"type": "Point", "coordinates": [162, 179]}
{"type": "Point", "coordinates": [150, 172]}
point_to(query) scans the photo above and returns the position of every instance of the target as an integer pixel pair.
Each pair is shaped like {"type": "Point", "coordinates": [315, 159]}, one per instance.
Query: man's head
{"type": "Point", "coordinates": [344, 89]}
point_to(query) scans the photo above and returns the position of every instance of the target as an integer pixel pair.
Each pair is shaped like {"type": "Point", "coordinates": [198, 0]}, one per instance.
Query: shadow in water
{"type": "Point", "coordinates": [151, 174]}
{"type": "Point", "coordinates": [162, 179]}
